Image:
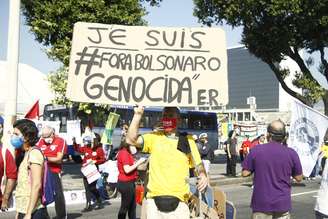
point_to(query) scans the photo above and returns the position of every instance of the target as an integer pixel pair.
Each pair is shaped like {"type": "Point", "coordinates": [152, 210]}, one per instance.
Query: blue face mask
{"type": "Point", "coordinates": [17, 141]}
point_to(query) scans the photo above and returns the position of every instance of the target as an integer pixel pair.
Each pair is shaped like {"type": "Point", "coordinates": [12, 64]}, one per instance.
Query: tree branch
{"type": "Point", "coordinates": [294, 94]}
{"type": "Point", "coordinates": [324, 61]}
{"type": "Point", "coordinates": [300, 62]}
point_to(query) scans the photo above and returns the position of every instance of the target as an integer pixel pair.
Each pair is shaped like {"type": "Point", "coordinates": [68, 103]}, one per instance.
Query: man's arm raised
{"type": "Point", "coordinates": [132, 134]}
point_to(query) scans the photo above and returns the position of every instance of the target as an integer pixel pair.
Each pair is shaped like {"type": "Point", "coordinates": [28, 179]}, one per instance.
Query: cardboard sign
{"type": "Point", "coordinates": [129, 65]}
{"type": "Point", "coordinates": [220, 202]}
{"type": "Point", "coordinates": [200, 210]}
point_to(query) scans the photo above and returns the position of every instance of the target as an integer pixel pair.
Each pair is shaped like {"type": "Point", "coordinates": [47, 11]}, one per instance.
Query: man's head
{"type": "Point", "coordinates": [170, 119]}
{"type": "Point", "coordinates": [203, 137]}
{"type": "Point", "coordinates": [87, 141]}
{"type": "Point", "coordinates": [276, 131]}
{"type": "Point", "coordinates": [125, 128]}
{"type": "Point", "coordinates": [48, 134]}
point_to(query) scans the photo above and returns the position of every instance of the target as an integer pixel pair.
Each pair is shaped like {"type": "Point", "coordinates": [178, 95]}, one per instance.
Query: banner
{"type": "Point", "coordinates": [306, 133]}
{"type": "Point", "coordinates": [128, 65]}
{"type": "Point", "coordinates": [111, 123]}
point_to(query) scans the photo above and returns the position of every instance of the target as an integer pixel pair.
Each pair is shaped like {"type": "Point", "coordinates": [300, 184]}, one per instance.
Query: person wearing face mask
{"type": "Point", "coordinates": [54, 148]}
{"type": "Point", "coordinates": [171, 153]}
{"type": "Point", "coordinates": [127, 169]}
{"type": "Point", "coordinates": [29, 180]}
{"type": "Point", "coordinates": [206, 151]}
{"type": "Point", "coordinates": [92, 153]}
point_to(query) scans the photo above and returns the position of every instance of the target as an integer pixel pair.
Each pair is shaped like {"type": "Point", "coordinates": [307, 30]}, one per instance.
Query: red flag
{"type": "Point", "coordinates": [33, 113]}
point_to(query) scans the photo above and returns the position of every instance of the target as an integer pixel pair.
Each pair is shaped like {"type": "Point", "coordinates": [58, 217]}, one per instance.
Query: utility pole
{"type": "Point", "coordinates": [12, 66]}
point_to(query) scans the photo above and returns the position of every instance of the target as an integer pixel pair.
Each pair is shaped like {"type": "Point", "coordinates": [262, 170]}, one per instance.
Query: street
{"type": "Point", "coordinates": [303, 199]}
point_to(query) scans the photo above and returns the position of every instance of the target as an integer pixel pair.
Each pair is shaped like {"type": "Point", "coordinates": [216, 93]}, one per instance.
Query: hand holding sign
{"type": "Point", "coordinates": [139, 110]}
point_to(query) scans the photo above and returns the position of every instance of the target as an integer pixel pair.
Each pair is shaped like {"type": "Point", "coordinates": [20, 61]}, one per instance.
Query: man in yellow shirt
{"type": "Point", "coordinates": [171, 155]}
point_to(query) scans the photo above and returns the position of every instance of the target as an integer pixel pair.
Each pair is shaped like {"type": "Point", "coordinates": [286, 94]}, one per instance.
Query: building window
{"type": "Point", "coordinates": [247, 116]}
{"type": "Point", "coordinates": [240, 117]}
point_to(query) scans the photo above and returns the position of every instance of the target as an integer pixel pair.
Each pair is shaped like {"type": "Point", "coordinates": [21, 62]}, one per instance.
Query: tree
{"type": "Point", "coordinates": [52, 23]}
{"type": "Point", "coordinates": [274, 30]}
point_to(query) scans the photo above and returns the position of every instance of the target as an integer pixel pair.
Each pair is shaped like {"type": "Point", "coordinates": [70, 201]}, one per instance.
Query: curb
{"type": "Point", "coordinates": [214, 181]}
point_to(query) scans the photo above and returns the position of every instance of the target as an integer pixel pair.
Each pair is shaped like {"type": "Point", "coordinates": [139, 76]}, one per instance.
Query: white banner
{"type": "Point", "coordinates": [73, 130]}
{"type": "Point", "coordinates": [155, 66]}
{"type": "Point", "coordinates": [306, 133]}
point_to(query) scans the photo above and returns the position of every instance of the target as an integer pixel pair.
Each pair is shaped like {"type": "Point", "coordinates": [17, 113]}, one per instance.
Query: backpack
{"type": "Point", "coordinates": [48, 191]}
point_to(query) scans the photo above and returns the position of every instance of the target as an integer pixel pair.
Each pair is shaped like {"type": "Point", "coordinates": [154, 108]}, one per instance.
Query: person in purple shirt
{"type": "Point", "coordinates": [273, 164]}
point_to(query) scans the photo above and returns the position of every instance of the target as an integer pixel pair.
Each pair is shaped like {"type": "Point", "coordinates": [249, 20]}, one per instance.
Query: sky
{"type": "Point", "coordinates": [169, 14]}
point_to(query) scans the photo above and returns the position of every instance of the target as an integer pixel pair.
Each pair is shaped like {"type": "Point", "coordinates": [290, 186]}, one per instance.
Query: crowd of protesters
{"type": "Point", "coordinates": [172, 154]}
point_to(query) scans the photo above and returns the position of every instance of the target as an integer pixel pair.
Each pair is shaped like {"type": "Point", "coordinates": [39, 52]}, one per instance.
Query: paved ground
{"type": "Point", "coordinates": [303, 199]}
{"type": "Point", "coordinates": [238, 190]}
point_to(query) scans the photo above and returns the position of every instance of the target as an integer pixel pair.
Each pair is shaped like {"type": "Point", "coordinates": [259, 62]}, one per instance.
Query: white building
{"type": "Point", "coordinates": [32, 86]}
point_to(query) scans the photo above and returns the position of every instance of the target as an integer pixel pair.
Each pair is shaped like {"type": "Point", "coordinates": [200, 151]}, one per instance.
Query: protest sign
{"type": "Point", "coordinates": [127, 65]}
{"type": "Point", "coordinates": [200, 210]}
{"type": "Point", "coordinates": [107, 136]}
{"type": "Point", "coordinates": [306, 133]}
{"type": "Point", "coordinates": [73, 130]}
{"type": "Point", "coordinates": [91, 172]}
{"type": "Point", "coordinates": [220, 202]}
{"type": "Point", "coordinates": [110, 167]}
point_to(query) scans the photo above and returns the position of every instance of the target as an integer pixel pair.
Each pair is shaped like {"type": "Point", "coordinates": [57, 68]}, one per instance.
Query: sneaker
{"type": "Point", "coordinates": [88, 208]}
{"type": "Point", "coordinates": [98, 205]}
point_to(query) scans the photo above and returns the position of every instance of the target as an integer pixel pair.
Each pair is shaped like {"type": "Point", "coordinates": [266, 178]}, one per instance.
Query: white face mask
{"type": "Point", "coordinates": [133, 150]}
{"type": "Point", "coordinates": [48, 140]}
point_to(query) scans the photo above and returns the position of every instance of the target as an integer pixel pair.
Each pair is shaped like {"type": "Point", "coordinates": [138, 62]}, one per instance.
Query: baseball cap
{"type": "Point", "coordinates": [203, 135]}
{"type": "Point", "coordinates": [87, 140]}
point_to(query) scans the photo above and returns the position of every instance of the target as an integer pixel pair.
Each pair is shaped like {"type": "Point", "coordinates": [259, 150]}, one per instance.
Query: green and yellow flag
{"type": "Point", "coordinates": [111, 123]}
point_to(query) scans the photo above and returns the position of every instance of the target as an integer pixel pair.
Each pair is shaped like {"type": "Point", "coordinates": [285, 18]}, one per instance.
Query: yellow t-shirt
{"type": "Point", "coordinates": [23, 188]}
{"type": "Point", "coordinates": [169, 167]}
{"type": "Point", "coordinates": [324, 149]}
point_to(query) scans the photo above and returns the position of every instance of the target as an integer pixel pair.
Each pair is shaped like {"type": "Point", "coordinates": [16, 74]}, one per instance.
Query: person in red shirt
{"type": "Point", "coordinates": [244, 149]}
{"type": "Point", "coordinates": [127, 176]}
{"type": "Point", "coordinates": [54, 148]}
{"type": "Point", "coordinates": [92, 153]}
{"type": "Point", "coordinates": [259, 140]}
{"type": "Point", "coordinates": [11, 176]}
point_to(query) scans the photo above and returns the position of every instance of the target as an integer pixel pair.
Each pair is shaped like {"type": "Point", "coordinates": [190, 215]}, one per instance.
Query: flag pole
{"type": "Point", "coordinates": [12, 65]}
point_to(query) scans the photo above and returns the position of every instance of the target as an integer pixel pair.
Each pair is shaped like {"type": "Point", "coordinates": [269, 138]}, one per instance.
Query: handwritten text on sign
{"type": "Point", "coordinates": [116, 64]}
